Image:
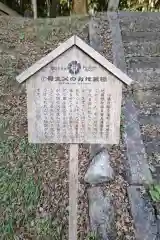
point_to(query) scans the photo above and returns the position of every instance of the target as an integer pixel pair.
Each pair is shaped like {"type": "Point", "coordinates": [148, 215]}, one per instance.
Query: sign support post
{"type": "Point", "coordinates": [73, 191]}
{"type": "Point", "coordinates": [74, 96]}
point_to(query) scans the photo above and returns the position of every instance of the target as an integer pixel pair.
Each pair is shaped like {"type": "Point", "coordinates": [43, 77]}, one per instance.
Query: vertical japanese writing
{"type": "Point", "coordinates": [89, 110]}
{"type": "Point", "coordinates": [108, 109]}
{"type": "Point", "coordinates": [77, 110]}
{"type": "Point", "coordinates": [95, 114]}
{"type": "Point", "coordinates": [64, 94]}
{"type": "Point", "coordinates": [101, 111]}
{"type": "Point", "coordinates": [37, 110]}
{"type": "Point", "coordinates": [70, 113]}
{"type": "Point", "coordinates": [58, 113]}
{"type": "Point", "coordinates": [37, 99]}
{"type": "Point", "coordinates": [82, 130]}
{"type": "Point", "coordinates": [45, 113]}
{"type": "Point", "coordinates": [51, 100]}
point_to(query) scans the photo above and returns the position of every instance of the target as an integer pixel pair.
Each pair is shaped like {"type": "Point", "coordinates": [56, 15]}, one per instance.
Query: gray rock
{"type": "Point", "coordinates": [96, 148]}
{"type": "Point", "coordinates": [153, 147]}
{"type": "Point", "coordinates": [148, 96]}
{"type": "Point", "coordinates": [139, 21]}
{"type": "Point", "coordinates": [143, 214]}
{"type": "Point", "coordinates": [117, 44]}
{"type": "Point", "coordinates": [99, 170]}
{"type": "Point", "coordinates": [135, 49]}
{"type": "Point", "coordinates": [138, 168]}
{"type": "Point", "coordinates": [101, 213]}
{"type": "Point", "coordinates": [158, 223]}
{"type": "Point", "coordinates": [149, 119]}
{"type": "Point", "coordinates": [99, 35]}
{"type": "Point", "coordinates": [145, 79]}
{"type": "Point", "coordinates": [143, 62]}
{"type": "Point", "coordinates": [140, 36]}
{"type": "Point", "coordinates": [94, 32]}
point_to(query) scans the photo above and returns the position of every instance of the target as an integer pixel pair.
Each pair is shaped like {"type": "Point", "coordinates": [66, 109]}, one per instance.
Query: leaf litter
{"type": "Point", "coordinates": [34, 178]}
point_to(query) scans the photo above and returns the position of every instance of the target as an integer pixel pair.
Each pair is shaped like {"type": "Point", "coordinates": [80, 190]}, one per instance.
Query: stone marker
{"type": "Point", "coordinates": [101, 213]}
{"type": "Point", "coordinates": [100, 169]}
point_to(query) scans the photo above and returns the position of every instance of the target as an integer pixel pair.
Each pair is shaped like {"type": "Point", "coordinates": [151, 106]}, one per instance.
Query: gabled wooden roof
{"type": "Point", "coordinates": [74, 41]}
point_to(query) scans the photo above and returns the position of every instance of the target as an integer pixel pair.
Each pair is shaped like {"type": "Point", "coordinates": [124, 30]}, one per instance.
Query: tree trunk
{"type": "Point", "coordinates": [34, 5]}
{"type": "Point", "coordinates": [48, 7]}
{"type": "Point", "coordinates": [113, 5]}
{"type": "Point", "coordinates": [79, 7]}
{"type": "Point", "coordinates": [53, 9]}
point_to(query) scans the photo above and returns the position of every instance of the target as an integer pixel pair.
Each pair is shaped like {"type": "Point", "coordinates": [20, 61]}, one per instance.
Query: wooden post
{"type": "Point", "coordinates": [34, 6]}
{"type": "Point", "coordinates": [73, 191]}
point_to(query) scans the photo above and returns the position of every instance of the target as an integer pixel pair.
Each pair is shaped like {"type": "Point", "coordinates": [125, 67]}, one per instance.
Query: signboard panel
{"type": "Point", "coordinates": [74, 99]}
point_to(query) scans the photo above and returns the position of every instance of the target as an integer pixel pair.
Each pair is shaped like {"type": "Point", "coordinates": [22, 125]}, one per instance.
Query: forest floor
{"type": "Point", "coordinates": [34, 192]}
{"type": "Point", "coordinates": [34, 178]}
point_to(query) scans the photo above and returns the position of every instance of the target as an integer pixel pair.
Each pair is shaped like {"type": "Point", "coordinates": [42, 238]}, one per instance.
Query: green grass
{"type": "Point", "coordinates": [22, 194]}
{"type": "Point", "coordinates": [154, 191]}
{"type": "Point", "coordinates": [28, 148]}
{"type": "Point", "coordinates": [19, 195]}
{"type": "Point", "coordinates": [3, 127]}
{"type": "Point", "coordinates": [122, 124]}
{"type": "Point", "coordinates": [92, 236]}
{"type": "Point", "coordinates": [48, 228]}
{"type": "Point", "coordinates": [19, 198]}
{"type": "Point", "coordinates": [7, 147]}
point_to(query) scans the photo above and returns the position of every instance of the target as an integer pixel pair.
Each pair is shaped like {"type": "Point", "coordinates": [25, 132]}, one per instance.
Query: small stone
{"type": "Point", "coordinates": [99, 170]}
{"type": "Point", "coordinates": [12, 57]}
{"type": "Point", "coordinates": [32, 223]}
{"type": "Point", "coordinates": [143, 214]}
{"type": "Point", "coordinates": [101, 213]}
{"type": "Point", "coordinates": [40, 209]}
{"type": "Point", "coordinates": [67, 208]}
{"type": "Point", "coordinates": [95, 149]}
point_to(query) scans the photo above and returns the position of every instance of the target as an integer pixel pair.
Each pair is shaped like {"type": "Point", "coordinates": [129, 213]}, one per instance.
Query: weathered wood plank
{"type": "Point", "coordinates": [45, 60]}
{"type": "Point", "coordinates": [104, 62]}
{"type": "Point", "coordinates": [91, 99]}
{"type": "Point", "coordinates": [84, 47]}
{"type": "Point", "coordinates": [73, 191]}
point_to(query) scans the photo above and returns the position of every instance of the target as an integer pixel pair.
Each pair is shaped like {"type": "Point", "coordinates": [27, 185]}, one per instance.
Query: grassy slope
{"type": "Point", "coordinates": [33, 178]}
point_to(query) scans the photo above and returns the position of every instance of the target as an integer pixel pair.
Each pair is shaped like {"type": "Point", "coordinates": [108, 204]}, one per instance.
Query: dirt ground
{"type": "Point", "coordinates": [34, 178]}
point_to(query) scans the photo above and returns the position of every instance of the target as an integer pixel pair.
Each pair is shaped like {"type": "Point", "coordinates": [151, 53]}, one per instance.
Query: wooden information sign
{"type": "Point", "coordinates": [74, 96]}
